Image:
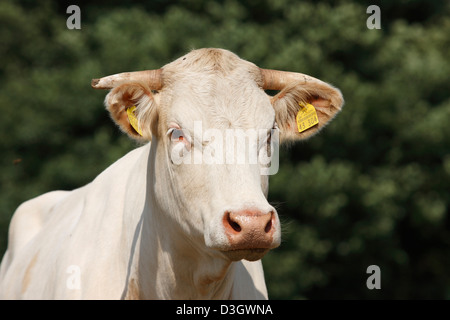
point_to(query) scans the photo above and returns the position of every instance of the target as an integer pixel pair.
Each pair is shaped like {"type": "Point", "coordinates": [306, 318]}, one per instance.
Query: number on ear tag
{"type": "Point", "coordinates": [306, 117]}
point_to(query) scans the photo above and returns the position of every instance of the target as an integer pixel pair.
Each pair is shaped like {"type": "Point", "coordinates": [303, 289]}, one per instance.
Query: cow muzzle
{"type": "Point", "coordinates": [250, 233]}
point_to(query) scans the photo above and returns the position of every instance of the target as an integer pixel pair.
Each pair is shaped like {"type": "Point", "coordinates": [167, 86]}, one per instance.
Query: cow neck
{"type": "Point", "coordinates": [177, 266]}
{"type": "Point", "coordinates": [171, 264]}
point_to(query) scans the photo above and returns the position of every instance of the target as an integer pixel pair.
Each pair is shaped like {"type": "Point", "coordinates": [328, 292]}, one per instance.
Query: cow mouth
{"type": "Point", "coordinates": [246, 254]}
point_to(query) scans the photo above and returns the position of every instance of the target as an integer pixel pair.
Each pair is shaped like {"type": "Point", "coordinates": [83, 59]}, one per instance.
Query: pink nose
{"type": "Point", "coordinates": [249, 229]}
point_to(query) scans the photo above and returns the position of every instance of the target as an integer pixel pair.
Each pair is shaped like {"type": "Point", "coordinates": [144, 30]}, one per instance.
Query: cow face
{"type": "Point", "coordinates": [215, 132]}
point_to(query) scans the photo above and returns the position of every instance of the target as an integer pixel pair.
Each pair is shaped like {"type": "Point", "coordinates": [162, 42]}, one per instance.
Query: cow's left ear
{"type": "Point", "coordinates": [132, 106]}
{"type": "Point", "coordinates": [294, 114]}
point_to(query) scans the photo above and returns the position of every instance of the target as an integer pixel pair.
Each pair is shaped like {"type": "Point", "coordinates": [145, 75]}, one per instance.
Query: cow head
{"type": "Point", "coordinates": [195, 110]}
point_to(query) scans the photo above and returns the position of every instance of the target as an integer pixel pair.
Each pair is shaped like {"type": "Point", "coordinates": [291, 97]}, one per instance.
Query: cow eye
{"type": "Point", "coordinates": [272, 134]}
{"type": "Point", "coordinates": [269, 137]}
{"type": "Point", "coordinates": [268, 142]}
{"type": "Point", "coordinates": [178, 135]}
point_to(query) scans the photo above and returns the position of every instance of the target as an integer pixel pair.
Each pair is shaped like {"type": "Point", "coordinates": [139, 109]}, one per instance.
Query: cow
{"type": "Point", "coordinates": [151, 226]}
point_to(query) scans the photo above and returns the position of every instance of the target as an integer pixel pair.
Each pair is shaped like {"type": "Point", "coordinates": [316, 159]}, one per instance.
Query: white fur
{"type": "Point", "coordinates": [147, 228]}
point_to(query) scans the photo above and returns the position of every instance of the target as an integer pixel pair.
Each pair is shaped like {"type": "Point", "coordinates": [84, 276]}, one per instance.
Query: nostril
{"type": "Point", "coordinates": [268, 226]}
{"type": "Point", "coordinates": [233, 224]}
{"type": "Point", "coordinates": [236, 227]}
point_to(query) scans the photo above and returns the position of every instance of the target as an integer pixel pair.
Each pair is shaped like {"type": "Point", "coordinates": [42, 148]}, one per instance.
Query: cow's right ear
{"type": "Point", "coordinates": [132, 106]}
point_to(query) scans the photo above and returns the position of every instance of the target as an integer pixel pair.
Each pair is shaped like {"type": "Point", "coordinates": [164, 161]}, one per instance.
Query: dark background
{"type": "Point", "coordinates": [372, 188]}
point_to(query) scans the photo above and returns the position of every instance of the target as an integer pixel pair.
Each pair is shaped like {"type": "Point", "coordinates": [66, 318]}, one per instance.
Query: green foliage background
{"type": "Point", "coordinates": [372, 188]}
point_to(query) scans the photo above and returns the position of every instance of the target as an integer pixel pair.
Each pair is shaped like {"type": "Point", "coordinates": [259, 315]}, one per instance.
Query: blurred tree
{"type": "Point", "coordinates": [372, 188]}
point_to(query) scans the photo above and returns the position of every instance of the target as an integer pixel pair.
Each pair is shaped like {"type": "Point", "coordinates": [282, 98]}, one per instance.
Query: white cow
{"type": "Point", "coordinates": [154, 227]}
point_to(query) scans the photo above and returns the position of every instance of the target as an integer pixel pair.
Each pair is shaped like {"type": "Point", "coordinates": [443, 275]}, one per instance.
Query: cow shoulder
{"type": "Point", "coordinates": [29, 218]}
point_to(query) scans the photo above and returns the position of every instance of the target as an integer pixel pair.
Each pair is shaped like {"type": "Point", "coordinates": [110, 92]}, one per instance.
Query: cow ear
{"type": "Point", "coordinates": [132, 106]}
{"type": "Point", "coordinates": [298, 97]}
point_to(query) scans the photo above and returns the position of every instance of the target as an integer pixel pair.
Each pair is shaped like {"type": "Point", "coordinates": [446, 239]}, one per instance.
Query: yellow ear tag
{"type": "Point", "coordinates": [306, 117]}
{"type": "Point", "coordinates": [133, 120]}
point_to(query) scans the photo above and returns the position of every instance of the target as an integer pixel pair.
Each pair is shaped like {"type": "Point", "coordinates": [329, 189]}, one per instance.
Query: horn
{"type": "Point", "coordinates": [277, 80]}
{"type": "Point", "coordinates": [151, 77]}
